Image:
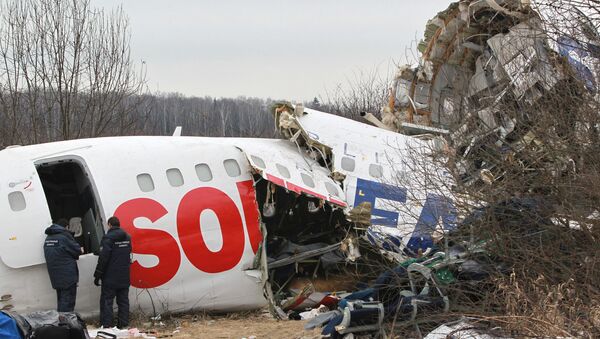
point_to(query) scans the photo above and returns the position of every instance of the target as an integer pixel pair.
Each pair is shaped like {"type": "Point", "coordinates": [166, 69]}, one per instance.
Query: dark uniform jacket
{"type": "Point", "coordinates": [114, 260]}
{"type": "Point", "coordinates": [61, 252]}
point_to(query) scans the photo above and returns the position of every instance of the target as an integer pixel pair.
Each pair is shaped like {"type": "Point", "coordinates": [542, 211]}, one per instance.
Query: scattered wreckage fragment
{"type": "Point", "coordinates": [414, 289]}
{"type": "Point", "coordinates": [464, 329]}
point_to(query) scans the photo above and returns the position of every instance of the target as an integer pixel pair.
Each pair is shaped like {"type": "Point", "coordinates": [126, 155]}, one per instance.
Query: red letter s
{"type": "Point", "coordinates": [147, 241]}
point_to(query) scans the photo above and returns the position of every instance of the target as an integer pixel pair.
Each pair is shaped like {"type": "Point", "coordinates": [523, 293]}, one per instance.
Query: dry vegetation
{"type": "Point", "coordinates": [259, 324]}
{"type": "Point", "coordinates": [541, 192]}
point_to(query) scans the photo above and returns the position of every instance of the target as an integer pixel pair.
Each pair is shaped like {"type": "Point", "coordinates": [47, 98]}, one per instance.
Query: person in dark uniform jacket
{"type": "Point", "coordinates": [61, 252]}
{"type": "Point", "coordinates": [113, 270]}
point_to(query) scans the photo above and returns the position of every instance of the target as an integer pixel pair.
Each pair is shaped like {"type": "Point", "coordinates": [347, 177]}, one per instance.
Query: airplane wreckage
{"type": "Point", "coordinates": [290, 221]}
{"type": "Point", "coordinates": [480, 57]}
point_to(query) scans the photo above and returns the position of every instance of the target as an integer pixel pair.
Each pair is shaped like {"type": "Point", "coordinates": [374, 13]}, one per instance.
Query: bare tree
{"type": "Point", "coordinates": [65, 71]}
{"type": "Point", "coordinates": [366, 91]}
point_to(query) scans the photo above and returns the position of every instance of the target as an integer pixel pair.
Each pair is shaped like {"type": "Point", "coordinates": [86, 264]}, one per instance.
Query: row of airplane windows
{"type": "Point", "coordinates": [175, 177]}
{"type": "Point", "coordinates": [203, 172]}
{"type": "Point", "coordinates": [375, 170]}
{"type": "Point", "coordinates": [348, 164]}
{"type": "Point", "coordinates": [16, 200]}
{"type": "Point", "coordinates": [232, 168]}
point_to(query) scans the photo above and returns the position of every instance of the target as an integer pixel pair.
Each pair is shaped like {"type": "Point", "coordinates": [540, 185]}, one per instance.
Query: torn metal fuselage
{"type": "Point", "coordinates": [479, 59]}
{"type": "Point", "coordinates": [333, 181]}
{"type": "Point", "coordinates": [405, 187]}
{"type": "Point", "coordinates": [301, 211]}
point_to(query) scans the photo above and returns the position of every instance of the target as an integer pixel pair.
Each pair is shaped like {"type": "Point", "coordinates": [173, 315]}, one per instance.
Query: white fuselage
{"type": "Point", "coordinates": [162, 270]}
{"type": "Point", "coordinates": [190, 206]}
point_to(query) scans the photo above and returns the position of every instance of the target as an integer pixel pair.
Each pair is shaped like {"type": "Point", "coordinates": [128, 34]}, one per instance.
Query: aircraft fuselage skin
{"type": "Point", "coordinates": [193, 243]}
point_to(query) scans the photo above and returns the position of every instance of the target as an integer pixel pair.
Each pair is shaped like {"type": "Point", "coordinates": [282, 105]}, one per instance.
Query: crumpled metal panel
{"type": "Point", "coordinates": [284, 165]}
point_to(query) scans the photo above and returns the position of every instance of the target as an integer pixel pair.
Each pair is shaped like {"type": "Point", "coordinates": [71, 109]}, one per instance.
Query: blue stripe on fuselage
{"type": "Point", "coordinates": [437, 209]}
{"type": "Point", "coordinates": [369, 191]}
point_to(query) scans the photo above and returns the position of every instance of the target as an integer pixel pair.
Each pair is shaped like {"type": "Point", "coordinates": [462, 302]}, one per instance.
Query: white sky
{"type": "Point", "coordinates": [280, 49]}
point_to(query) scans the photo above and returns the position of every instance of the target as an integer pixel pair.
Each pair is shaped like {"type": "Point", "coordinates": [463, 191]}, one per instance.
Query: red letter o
{"type": "Point", "coordinates": [190, 235]}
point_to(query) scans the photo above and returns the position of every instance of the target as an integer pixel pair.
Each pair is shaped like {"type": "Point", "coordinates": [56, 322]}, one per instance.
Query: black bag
{"type": "Point", "coordinates": [77, 328]}
{"type": "Point", "coordinates": [52, 332]}
{"type": "Point", "coordinates": [55, 325]}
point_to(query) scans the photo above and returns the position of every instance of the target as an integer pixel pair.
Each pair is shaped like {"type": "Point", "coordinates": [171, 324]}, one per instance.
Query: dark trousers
{"type": "Point", "coordinates": [65, 299]}
{"type": "Point", "coordinates": [107, 295]}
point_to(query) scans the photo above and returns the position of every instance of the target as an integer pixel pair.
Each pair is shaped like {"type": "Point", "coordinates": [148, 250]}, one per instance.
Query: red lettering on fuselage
{"type": "Point", "coordinates": [248, 196]}
{"type": "Point", "coordinates": [161, 244]}
{"type": "Point", "coordinates": [147, 241]}
{"type": "Point", "coordinates": [191, 238]}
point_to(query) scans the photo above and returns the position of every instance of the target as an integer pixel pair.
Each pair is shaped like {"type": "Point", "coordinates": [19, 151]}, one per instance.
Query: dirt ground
{"type": "Point", "coordinates": [257, 324]}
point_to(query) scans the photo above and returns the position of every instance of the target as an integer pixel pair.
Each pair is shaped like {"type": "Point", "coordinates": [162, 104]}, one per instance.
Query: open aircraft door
{"type": "Point", "coordinates": [24, 211]}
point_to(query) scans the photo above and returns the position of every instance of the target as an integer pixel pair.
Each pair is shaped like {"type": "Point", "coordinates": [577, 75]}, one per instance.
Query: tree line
{"type": "Point", "coordinates": [66, 72]}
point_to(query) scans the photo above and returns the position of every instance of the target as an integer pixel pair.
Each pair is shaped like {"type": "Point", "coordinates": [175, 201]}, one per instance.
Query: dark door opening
{"type": "Point", "coordinates": [70, 195]}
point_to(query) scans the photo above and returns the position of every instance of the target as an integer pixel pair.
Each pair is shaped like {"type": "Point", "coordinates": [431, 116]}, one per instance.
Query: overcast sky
{"type": "Point", "coordinates": [280, 49]}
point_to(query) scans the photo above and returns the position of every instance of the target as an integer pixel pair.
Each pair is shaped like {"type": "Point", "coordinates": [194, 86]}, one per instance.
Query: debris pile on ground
{"type": "Point", "coordinates": [352, 270]}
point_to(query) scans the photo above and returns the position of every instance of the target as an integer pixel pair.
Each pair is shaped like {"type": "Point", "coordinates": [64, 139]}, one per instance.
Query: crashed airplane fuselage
{"type": "Point", "coordinates": [192, 207]}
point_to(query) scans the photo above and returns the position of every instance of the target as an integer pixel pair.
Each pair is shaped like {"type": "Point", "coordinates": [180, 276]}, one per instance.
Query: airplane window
{"type": "Point", "coordinates": [258, 161]}
{"type": "Point", "coordinates": [145, 182]}
{"type": "Point", "coordinates": [308, 181]}
{"type": "Point", "coordinates": [16, 201]}
{"type": "Point", "coordinates": [375, 170]}
{"type": "Point", "coordinates": [332, 189]}
{"type": "Point", "coordinates": [283, 171]}
{"type": "Point", "coordinates": [232, 167]}
{"type": "Point", "coordinates": [203, 172]}
{"type": "Point", "coordinates": [348, 164]}
{"type": "Point", "coordinates": [175, 177]}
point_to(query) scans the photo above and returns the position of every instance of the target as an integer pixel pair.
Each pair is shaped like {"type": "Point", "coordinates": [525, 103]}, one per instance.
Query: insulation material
{"type": "Point", "coordinates": [481, 79]}
{"type": "Point", "coordinates": [403, 92]}
{"type": "Point", "coordinates": [421, 96]}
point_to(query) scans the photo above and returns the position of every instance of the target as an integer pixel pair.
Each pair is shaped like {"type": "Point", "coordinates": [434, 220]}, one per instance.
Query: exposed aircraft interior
{"type": "Point", "coordinates": [70, 195]}
{"type": "Point", "coordinates": [307, 244]}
